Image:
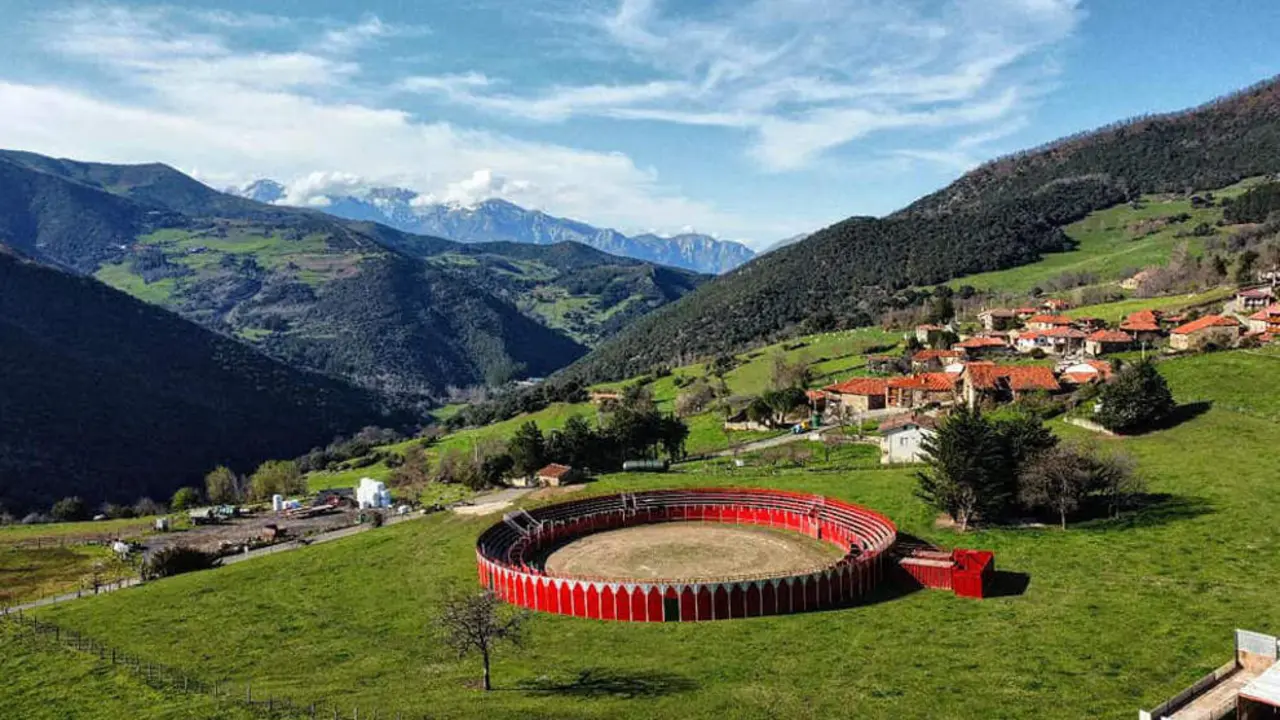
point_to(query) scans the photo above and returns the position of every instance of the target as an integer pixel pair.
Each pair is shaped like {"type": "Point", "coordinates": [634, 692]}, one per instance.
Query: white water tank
{"type": "Point", "coordinates": [277, 502]}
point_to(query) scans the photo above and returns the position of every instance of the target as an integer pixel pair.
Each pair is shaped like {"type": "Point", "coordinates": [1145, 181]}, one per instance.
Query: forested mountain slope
{"type": "Point", "coordinates": [1001, 215]}
{"type": "Point", "coordinates": [408, 315]}
{"type": "Point", "coordinates": [1214, 145]}
{"type": "Point", "coordinates": [110, 398]}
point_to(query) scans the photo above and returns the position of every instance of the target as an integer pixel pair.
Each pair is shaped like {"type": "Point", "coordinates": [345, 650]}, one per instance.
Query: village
{"type": "Point", "coordinates": [1017, 354]}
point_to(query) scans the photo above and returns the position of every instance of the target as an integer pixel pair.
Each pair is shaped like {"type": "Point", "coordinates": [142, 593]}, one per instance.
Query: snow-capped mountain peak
{"type": "Point", "coordinates": [495, 219]}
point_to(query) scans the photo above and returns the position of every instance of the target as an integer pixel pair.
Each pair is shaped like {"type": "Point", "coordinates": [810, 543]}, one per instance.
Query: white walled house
{"type": "Point", "coordinates": [902, 439]}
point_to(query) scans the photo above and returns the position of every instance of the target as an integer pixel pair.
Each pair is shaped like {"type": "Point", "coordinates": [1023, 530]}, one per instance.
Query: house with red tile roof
{"type": "Point", "coordinates": [989, 384]}
{"type": "Point", "coordinates": [976, 347]}
{"type": "Point", "coordinates": [1144, 326]}
{"type": "Point", "coordinates": [921, 389]}
{"type": "Point", "coordinates": [1048, 322]}
{"type": "Point", "coordinates": [927, 360]}
{"type": "Point", "coordinates": [1219, 330]}
{"type": "Point", "coordinates": [923, 332]}
{"type": "Point", "coordinates": [1266, 322]}
{"type": "Point", "coordinates": [817, 399]}
{"type": "Point", "coordinates": [1025, 312]}
{"type": "Point", "coordinates": [555, 474]}
{"type": "Point", "coordinates": [1102, 342]}
{"type": "Point", "coordinates": [1055, 305]}
{"type": "Point", "coordinates": [1253, 299]}
{"type": "Point", "coordinates": [856, 395]}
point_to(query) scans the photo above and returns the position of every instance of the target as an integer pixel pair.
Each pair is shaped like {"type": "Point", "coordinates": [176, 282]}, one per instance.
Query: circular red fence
{"type": "Point", "coordinates": [509, 555]}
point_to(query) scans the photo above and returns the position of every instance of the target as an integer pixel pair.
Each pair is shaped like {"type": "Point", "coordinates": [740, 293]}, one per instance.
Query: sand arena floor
{"type": "Point", "coordinates": [689, 551]}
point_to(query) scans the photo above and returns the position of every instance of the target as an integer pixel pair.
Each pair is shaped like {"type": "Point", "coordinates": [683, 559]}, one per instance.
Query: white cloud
{"type": "Point", "coordinates": [804, 76]}
{"type": "Point", "coordinates": [192, 99]}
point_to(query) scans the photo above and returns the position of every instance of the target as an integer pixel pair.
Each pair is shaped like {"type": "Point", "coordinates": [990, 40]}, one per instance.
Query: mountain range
{"type": "Point", "coordinates": [1006, 213]}
{"type": "Point", "coordinates": [409, 316]}
{"type": "Point", "coordinates": [499, 220]}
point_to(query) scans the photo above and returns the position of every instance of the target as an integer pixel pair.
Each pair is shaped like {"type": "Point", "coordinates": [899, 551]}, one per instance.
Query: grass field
{"type": "Point", "coordinates": [46, 682]}
{"type": "Point", "coordinates": [1116, 615]}
{"type": "Point", "coordinates": [1114, 312]}
{"type": "Point", "coordinates": [32, 573]}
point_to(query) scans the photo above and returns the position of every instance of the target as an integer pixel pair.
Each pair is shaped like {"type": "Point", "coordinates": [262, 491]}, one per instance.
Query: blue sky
{"type": "Point", "coordinates": [751, 120]}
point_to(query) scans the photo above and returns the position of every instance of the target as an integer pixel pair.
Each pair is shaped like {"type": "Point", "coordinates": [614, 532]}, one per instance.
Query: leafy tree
{"type": "Point", "coordinates": [493, 470]}
{"type": "Point", "coordinates": [673, 436]}
{"type": "Point", "coordinates": [576, 444]}
{"type": "Point", "coordinates": [70, 509]}
{"type": "Point", "coordinates": [222, 486]}
{"type": "Point", "coordinates": [478, 624]}
{"type": "Point", "coordinates": [782, 402]}
{"type": "Point", "coordinates": [276, 477]}
{"type": "Point", "coordinates": [965, 463]}
{"type": "Point", "coordinates": [1137, 399]}
{"type": "Point", "coordinates": [1246, 264]}
{"type": "Point", "coordinates": [941, 309]}
{"type": "Point", "coordinates": [185, 498]}
{"type": "Point", "coordinates": [527, 449]}
{"type": "Point", "coordinates": [1021, 436]}
{"type": "Point", "coordinates": [760, 412]}
{"type": "Point", "coordinates": [637, 397]}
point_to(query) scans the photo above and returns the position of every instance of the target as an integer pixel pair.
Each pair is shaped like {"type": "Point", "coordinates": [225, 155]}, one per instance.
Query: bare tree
{"type": "Point", "coordinates": [476, 624]}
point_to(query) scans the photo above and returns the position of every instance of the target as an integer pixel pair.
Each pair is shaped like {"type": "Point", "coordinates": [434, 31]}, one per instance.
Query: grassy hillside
{"type": "Point", "coordinates": [1116, 615]}
{"type": "Point", "coordinates": [47, 682]}
{"type": "Point", "coordinates": [110, 398]}
{"type": "Point", "coordinates": [1113, 243]}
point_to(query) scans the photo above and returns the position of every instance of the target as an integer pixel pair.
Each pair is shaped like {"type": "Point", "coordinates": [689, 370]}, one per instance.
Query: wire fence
{"type": "Point", "coordinates": [172, 680]}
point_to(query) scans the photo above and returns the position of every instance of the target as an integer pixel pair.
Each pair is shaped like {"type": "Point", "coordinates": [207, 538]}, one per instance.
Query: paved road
{"type": "Point", "coordinates": [492, 502]}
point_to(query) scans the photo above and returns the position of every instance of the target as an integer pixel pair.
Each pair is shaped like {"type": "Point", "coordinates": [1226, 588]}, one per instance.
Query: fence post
{"type": "Point", "coordinates": [248, 693]}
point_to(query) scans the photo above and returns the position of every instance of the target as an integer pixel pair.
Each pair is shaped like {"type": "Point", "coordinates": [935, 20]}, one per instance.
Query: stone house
{"type": "Point", "coordinates": [1218, 330]}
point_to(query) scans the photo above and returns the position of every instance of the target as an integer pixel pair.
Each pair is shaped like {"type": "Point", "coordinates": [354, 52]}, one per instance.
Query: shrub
{"type": "Point", "coordinates": [69, 509]}
{"type": "Point", "coordinates": [185, 498]}
{"type": "Point", "coordinates": [178, 560]}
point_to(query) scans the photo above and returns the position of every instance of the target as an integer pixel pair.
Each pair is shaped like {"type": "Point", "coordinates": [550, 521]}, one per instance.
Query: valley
{"type": "Point", "coordinates": [1047, 389]}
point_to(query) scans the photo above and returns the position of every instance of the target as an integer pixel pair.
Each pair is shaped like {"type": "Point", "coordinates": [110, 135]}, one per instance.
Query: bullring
{"type": "Point", "coordinates": [511, 556]}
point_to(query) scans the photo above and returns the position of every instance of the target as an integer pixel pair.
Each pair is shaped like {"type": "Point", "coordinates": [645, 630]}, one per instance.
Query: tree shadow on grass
{"type": "Point", "coordinates": [1147, 510]}
{"type": "Point", "coordinates": [1181, 414]}
{"type": "Point", "coordinates": [602, 683]}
